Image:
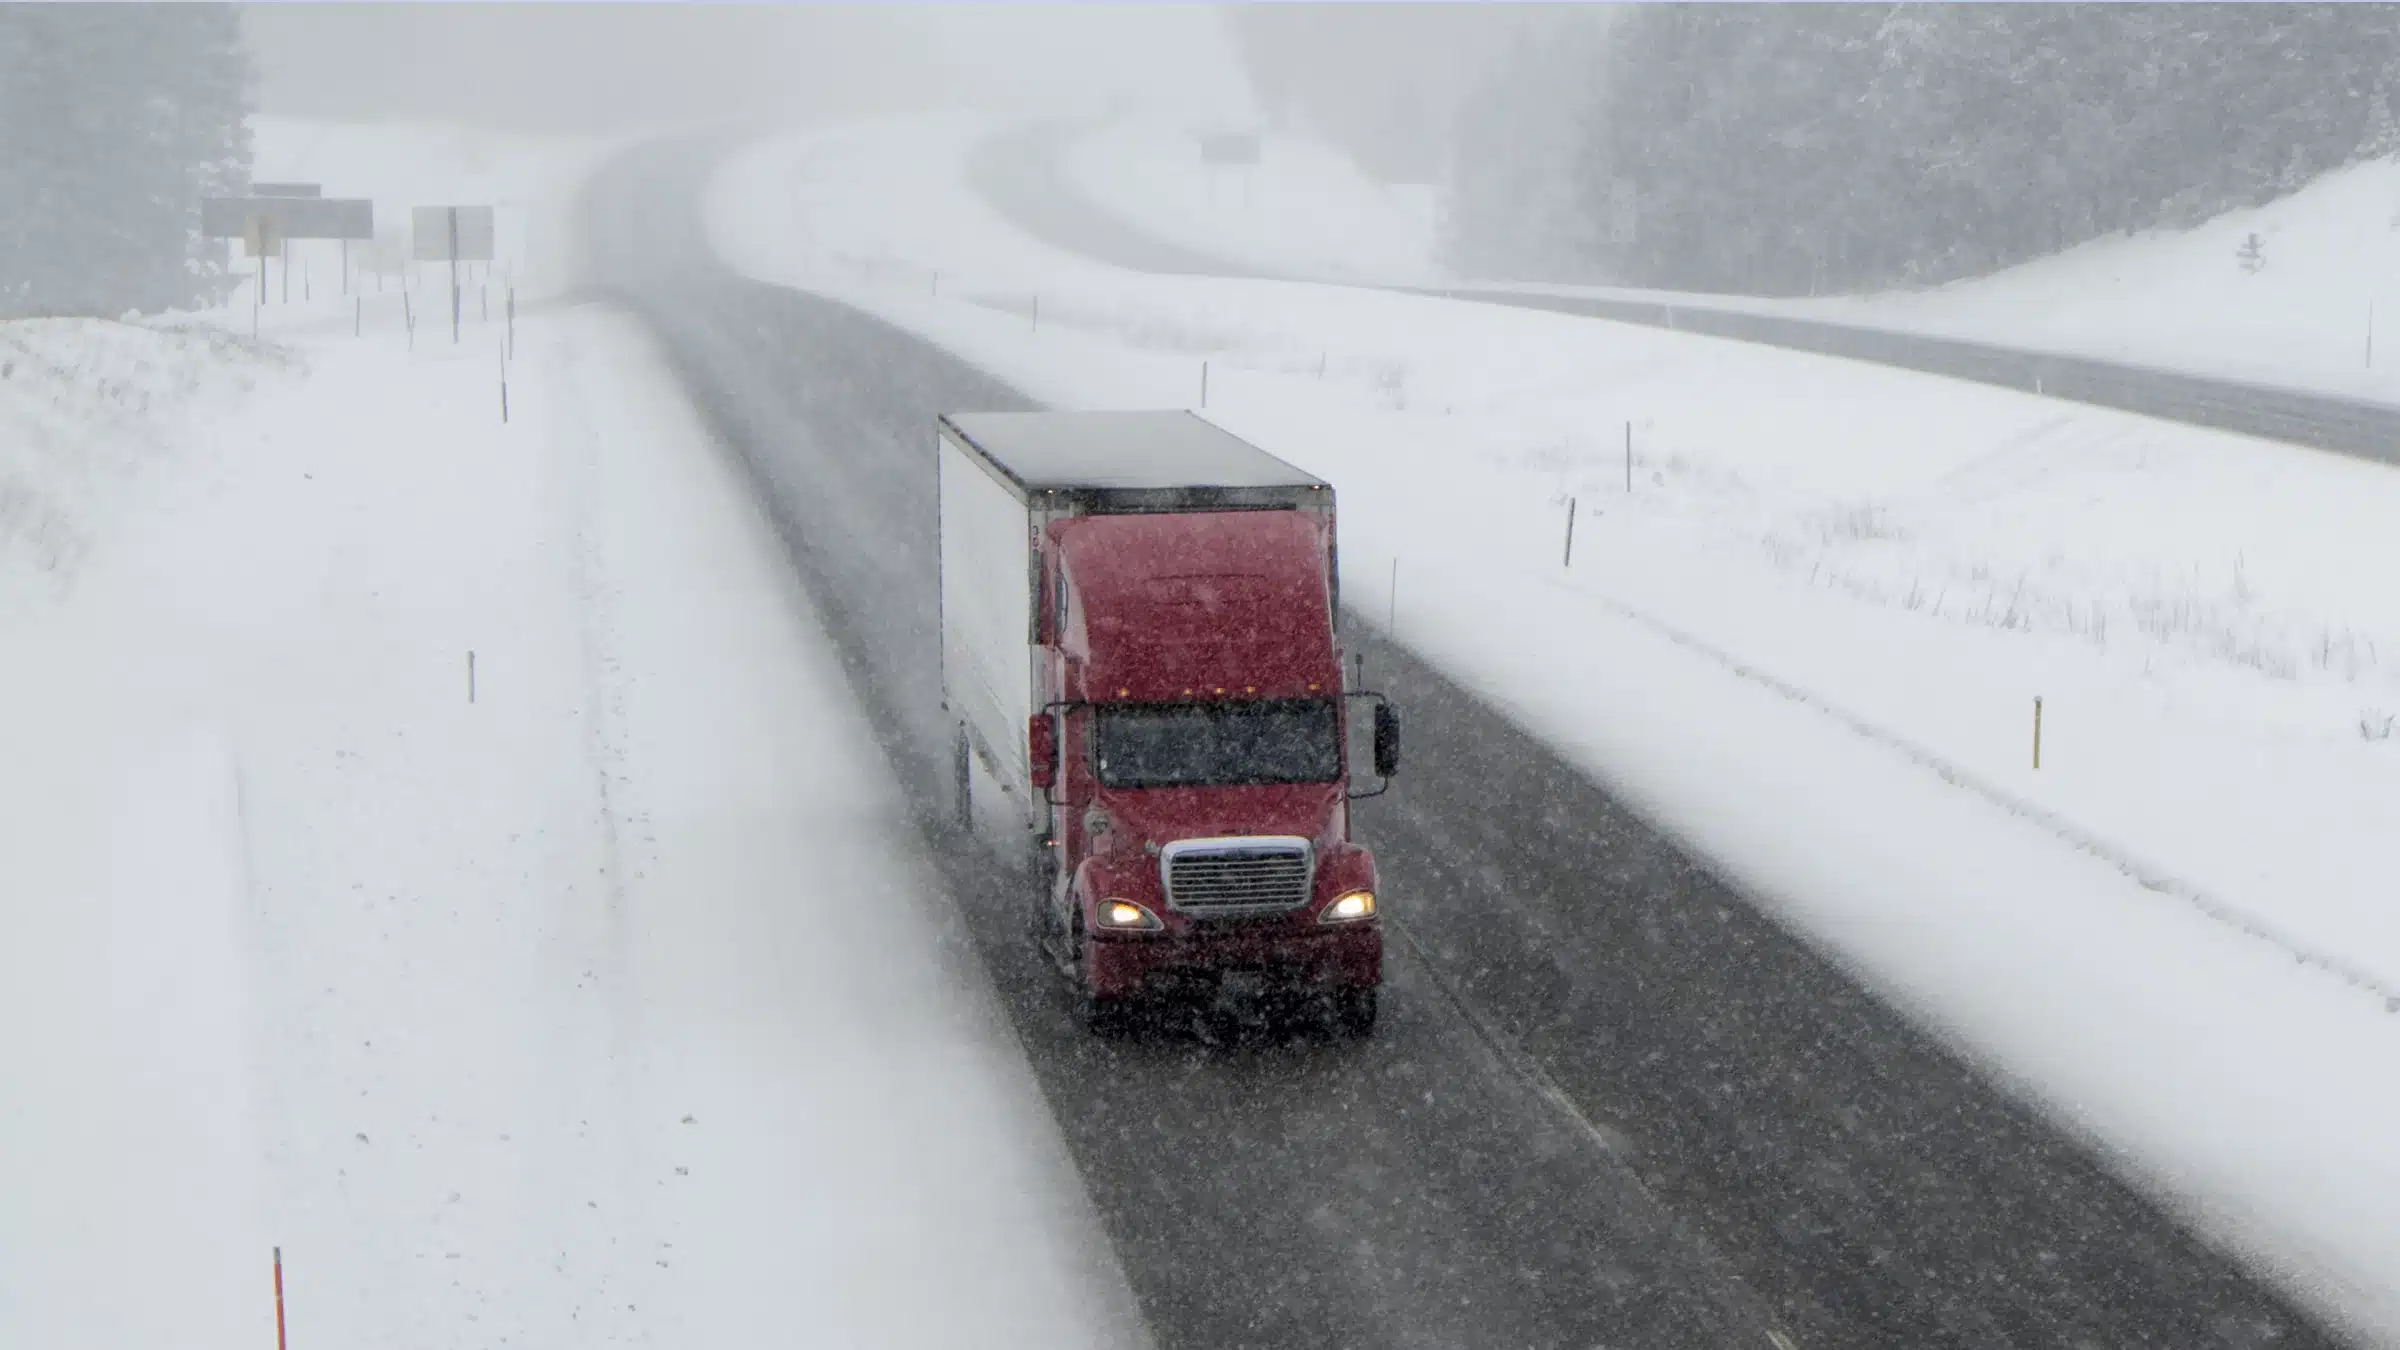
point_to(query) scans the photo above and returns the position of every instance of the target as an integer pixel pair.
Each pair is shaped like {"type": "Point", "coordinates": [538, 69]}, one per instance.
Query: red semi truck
{"type": "Point", "coordinates": [1141, 661]}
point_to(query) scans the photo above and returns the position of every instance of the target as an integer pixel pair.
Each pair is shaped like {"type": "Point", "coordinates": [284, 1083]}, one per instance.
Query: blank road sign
{"type": "Point", "coordinates": [430, 230]}
{"type": "Point", "coordinates": [260, 239]}
{"type": "Point", "coordinates": [293, 217]}
{"type": "Point", "coordinates": [1235, 147]}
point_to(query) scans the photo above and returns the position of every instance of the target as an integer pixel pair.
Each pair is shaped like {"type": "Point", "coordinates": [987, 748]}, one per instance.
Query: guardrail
{"type": "Point", "coordinates": [2320, 421]}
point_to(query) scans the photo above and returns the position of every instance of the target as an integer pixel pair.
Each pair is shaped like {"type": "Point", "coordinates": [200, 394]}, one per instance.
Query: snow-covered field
{"type": "Point", "coordinates": [1808, 637]}
{"type": "Point", "coordinates": [554, 1005]}
{"type": "Point", "coordinates": [1303, 209]}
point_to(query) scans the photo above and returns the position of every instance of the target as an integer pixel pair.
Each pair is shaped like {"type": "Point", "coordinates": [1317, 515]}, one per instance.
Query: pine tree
{"type": "Point", "coordinates": [1915, 144]}
{"type": "Point", "coordinates": [115, 120]}
{"type": "Point", "coordinates": [2383, 134]}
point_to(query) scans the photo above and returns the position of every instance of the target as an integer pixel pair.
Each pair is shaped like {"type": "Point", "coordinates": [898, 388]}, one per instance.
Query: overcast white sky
{"type": "Point", "coordinates": [561, 67]}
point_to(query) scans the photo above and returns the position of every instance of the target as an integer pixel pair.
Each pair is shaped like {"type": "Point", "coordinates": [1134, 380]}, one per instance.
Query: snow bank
{"type": "Point", "coordinates": [86, 405]}
{"type": "Point", "coordinates": [1303, 209]}
{"type": "Point", "coordinates": [1806, 632]}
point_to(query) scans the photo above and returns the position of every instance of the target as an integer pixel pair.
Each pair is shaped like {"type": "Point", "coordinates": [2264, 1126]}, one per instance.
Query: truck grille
{"type": "Point", "coordinates": [1242, 875]}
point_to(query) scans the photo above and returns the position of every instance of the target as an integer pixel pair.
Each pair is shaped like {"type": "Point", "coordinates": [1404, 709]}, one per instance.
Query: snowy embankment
{"type": "Point", "coordinates": [1806, 634]}
{"type": "Point", "coordinates": [2313, 304]}
{"type": "Point", "coordinates": [1302, 209]}
{"type": "Point", "coordinates": [2316, 305]}
{"type": "Point", "coordinates": [599, 995]}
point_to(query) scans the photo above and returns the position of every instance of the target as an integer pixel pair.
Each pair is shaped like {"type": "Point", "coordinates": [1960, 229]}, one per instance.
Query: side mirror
{"type": "Point", "coordinates": [1387, 740]}
{"type": "Point", "coordinates": [1041, 738]}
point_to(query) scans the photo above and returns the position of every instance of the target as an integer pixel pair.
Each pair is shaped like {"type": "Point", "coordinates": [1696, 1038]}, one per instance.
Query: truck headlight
{"type": "Point", "coordinates": [1355, 905]}
{"type": "Point", "coordinates": [1124, 914]}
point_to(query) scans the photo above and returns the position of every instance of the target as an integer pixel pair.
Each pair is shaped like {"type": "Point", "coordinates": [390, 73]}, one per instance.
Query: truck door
{"type": "Point", "coordinates": [1053, 816]}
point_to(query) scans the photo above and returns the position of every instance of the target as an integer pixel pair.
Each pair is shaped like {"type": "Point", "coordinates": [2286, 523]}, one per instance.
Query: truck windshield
{"type": "Point", "coordinates": [1218, 744]}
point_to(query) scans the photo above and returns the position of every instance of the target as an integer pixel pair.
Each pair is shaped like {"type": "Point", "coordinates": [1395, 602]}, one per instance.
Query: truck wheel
{"type": "Point", "coordinates": [1099, 1016]}
{"type": "Point", "coordinates": [1354, 1011]}
{"type": "Point", "coordinates": [1103, 1016]}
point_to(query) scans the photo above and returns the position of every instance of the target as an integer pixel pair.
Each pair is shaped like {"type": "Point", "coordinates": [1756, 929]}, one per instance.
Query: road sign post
{"type": "Point", "coordinates": [267, 221]}
{"type": "Point", "coordinates": [454, 275]}
{"type": "Point", "coordinates": [454, 234]}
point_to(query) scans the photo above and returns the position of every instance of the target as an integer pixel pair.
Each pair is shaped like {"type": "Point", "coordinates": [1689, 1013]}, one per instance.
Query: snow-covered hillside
{"type": "Point", "coordinates": [1303, 209]}
{"type": "Point", "coordinates": [2317, 304]}
{"type": "Point", "coordinates": [2314, 304]}
{"type": "Point", "coordinates": [1807, 632]}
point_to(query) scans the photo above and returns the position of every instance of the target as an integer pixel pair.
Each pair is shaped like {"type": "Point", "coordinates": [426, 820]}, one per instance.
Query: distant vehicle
{"type": "Point", "coordinates": [1140, 651]}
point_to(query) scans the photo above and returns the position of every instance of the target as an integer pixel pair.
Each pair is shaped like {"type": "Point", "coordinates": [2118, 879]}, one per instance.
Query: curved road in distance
{"type": "Point", "coordinates": [1610, 1104]}
{"type": "Point", "coordinates": [1018, 173]}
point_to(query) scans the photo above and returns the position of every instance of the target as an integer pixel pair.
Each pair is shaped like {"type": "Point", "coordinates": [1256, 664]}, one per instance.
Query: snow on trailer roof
{"type": "Point", "coordinates": [1129, 452]}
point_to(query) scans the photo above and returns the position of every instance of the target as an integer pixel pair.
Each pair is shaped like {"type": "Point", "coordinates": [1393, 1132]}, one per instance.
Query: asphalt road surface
{"type": "Point", "coordinates": [1609, 1104]}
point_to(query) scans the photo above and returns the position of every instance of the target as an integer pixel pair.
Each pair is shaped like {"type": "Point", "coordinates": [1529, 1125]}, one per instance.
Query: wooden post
{"type": "Point", "coordinates": [470, 676]}
{"type": "Point", "coordinates": [280, 1342]}
{"type": "Point", "coordinates": [2037, 731]}
{"type": "Point", "coordinates": [1568, 560]}
{"type": "Point", "coordinates": [1204, 384]}
{"type": "Point", "coordinates": [454, 291]}
{"type": "Point", "coordinates": [1629, 456]}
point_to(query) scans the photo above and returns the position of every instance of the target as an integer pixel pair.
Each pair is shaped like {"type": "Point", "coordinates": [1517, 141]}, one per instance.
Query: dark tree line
{"type": "Point", "coordinates": [115, 120]}
{"type": "Point", "coordinates": [1783, 149]}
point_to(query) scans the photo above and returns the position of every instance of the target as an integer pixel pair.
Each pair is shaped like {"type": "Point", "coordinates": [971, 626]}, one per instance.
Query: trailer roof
{"type": "Point", "coordinates": [1121, 451]}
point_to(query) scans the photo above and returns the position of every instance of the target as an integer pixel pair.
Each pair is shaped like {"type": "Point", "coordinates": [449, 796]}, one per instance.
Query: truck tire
{"type": "Point", "coordinates": [1109, 1017]}
{"type": "Point", "coordinates": [1354, 1011]}
{"type": "Point", "coordinates": [1099, 1016]}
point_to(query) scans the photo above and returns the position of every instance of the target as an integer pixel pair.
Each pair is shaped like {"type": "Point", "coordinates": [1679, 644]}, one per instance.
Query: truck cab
{"type": "Point", "coordinates": [1176, 745]}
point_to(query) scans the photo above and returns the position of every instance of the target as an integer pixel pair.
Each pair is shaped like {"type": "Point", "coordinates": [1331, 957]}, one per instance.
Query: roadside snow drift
{"type": "Point", "coordinates": [1807, 613]}
{"type": "Point", "coordinates": [443, 846]}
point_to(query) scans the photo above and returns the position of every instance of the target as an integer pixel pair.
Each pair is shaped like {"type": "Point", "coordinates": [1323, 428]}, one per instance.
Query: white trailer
{"type": "Point", "coordinates": [1002, 478]}
{"type": "Point", "coordinates": [990, 572]}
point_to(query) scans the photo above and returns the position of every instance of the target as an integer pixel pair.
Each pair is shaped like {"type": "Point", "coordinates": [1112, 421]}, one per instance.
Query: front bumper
{"type": "Point", "coordinates": [1347, 956]}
